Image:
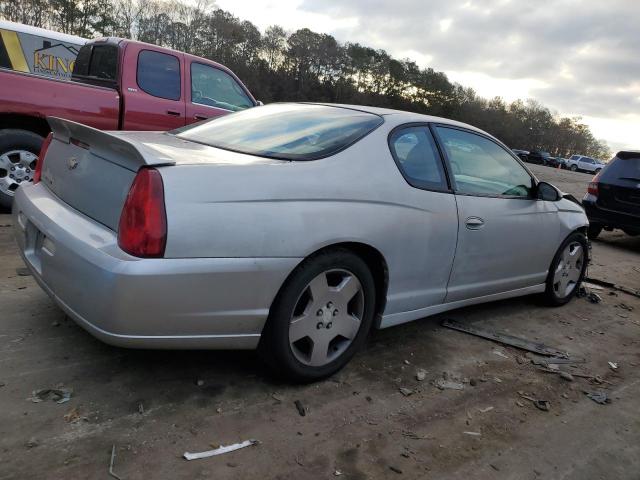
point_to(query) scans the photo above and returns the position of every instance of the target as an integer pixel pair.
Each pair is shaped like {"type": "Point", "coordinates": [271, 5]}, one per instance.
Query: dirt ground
{"type": "Point", "coordinates": [155, 405]}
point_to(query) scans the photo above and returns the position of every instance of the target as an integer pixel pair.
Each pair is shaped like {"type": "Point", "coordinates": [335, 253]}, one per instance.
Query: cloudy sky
{"type": "Point", "coordinates": [578, 57]}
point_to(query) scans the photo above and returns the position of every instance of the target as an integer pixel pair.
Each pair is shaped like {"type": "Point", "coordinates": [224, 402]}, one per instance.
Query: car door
{"type": "Point", "coordinates": [153, 92]}
{"type": "Point", "coordinates": [506, 237]}
{"type": "Point", "coordinates": [428, 238]}
{"type": "Point", "coordinates": [213, 92]}
{"type": "Point", "coordinates": [586, 164]}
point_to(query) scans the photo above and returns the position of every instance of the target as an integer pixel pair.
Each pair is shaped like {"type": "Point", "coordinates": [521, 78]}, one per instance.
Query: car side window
{"type": "Point", "coordinates": [482, 167]}
{"type": "Point", "coordinates": [216, 88]}
{"type": "Point", "coordinates": [158, 74]}
{"type": "Point", "coordinates": [417, 157]}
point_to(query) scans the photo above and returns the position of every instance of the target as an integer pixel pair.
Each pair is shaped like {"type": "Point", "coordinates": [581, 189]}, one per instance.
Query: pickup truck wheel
{"type": "Point", "coordinates": [574, 168]}
{"type": "Point", "coordinates": [18, 156]}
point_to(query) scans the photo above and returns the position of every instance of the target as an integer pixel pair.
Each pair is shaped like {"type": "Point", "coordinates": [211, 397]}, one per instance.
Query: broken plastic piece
{"type": "Point", "coordinates": [219, 451]}
{"type": "Point", "coordinates": [599, 397]}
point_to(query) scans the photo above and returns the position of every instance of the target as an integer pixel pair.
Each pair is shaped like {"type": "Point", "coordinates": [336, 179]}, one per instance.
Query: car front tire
{"type": "Point", "coordinates": [567, 270]}
{"type": "Point", "coordinates": [320, 317]}
{"type": "Point", "coordinates": [573, 168]}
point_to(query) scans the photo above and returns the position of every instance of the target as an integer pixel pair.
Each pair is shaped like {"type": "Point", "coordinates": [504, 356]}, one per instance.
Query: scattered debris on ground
{"type": "Point", "coordinates": [113, 458]}
{"type": "Point", "coordinates": [58, 394]}
{"type": "Point", "coordinates": [301, 410]}
{"type": "Point", "coordinates": [406, 391]}
{"type": "Point", "coordinates": [614, 286]}
{"type": "Point", "coordinates": [220, 450]}
{"type": "Point", "coordinates": [599, 396]}
{"type": "Point", "coordinates": [613, 365]}
{"type": "Point", "coordinates": [539, 404]}
{"type": "Point", "coordinates": [421, 375]}
{"type": "Point", "coordinates": [594, 297]}
{"type": "Point", "coordinates": [23, 272]}
{"type": "Point", "coordinates": [72, 415]}
{"type": "Point", "coordinates": [517, 342]}
{"type": "Point", "coordinates": [446, 383]}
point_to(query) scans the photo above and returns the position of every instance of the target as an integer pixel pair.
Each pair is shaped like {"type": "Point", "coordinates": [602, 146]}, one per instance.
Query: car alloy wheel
{"type": "Point", "coordinates": [326, 318]}
{"type": "Point", "coordinates": [569, 270]}
{"type": "Point", "coordinates": [573, 168]}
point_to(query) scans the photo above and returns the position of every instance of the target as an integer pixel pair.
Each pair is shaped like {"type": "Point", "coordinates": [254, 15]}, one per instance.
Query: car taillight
{"type": "Point", "coordinates": [43, 151]}
{"type": "Point", "coordinates": [142, 231]}
{"type": "Point", "coordinates": [593, 186]}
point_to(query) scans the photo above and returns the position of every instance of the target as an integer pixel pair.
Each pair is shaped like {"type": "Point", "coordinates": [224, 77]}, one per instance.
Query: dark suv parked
{"type": "Point", "coordinates": [613, 196]}
{"type": "Point", "coordinates": [538, 156]}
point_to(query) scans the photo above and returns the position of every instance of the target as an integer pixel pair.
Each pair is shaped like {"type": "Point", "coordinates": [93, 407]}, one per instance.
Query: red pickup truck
{"type": "Point", "coordinates": [116, 84]}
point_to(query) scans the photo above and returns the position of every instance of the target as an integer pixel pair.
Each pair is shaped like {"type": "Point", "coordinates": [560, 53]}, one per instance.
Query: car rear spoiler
{"type": "Point", "coordinates": [124, 152]}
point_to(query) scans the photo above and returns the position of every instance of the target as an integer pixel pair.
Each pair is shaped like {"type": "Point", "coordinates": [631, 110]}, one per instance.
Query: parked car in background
{"type": "Point", "coordinates": [554, 162]}
{"type": "Point", "coordinates": [539, 157]}
{"type": "Point", "coordinates": [293, 228]}
{"type": "Point", "coordinates": [35, 50]}
{"type": "Point", "coordinates": [522, 154]}
{"type": "Point", "coordinates": [613, 196]}
{"type": "Point", "coordinates": [560, 162]}
{"type": "Point", "coordinates": [116, 85]}
{"type": "Point", "coordinates": [584, 164]}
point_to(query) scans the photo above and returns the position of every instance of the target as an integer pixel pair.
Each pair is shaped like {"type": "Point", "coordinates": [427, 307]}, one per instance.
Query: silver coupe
{"type": "Point", "coordinates": [291, 228]}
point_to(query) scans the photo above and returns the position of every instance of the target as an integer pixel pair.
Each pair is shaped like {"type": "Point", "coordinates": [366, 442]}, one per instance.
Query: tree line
{"type": "Point", "coordinates": [303, 65]}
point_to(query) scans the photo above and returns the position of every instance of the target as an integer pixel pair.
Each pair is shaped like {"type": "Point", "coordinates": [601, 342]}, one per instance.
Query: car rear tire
{"type": "Point", "coordinates": [598, 170]}
{"type": "Point", "coordinates": [594, 230]}
{"type": "Point", "coordinates": [320, 317]}
{"type": "Point", "coordinates": [574, 168]}
{"type": "Point", "coordinates": [18, 155]}
{"type": "Point", "coordinates": [567, 270]}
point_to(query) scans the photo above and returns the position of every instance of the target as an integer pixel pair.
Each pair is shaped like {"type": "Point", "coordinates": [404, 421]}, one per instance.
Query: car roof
{"type": "Point", "coordinates": [401, 116]}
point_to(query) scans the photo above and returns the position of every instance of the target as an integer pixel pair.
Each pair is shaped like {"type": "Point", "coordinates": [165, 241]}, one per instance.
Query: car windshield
{"type": "Point", "coordinates": [285, 131]}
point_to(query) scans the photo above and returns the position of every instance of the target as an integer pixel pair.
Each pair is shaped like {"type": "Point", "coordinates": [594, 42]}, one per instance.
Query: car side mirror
{"type": "Point", "coordinates": [259, 103]}
{"type": "Point", "coordinates": [546, 191]}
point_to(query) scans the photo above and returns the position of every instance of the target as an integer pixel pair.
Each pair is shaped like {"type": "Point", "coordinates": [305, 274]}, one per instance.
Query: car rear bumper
{"type": "Point", "coordinates": [609, 218]}
{"type": "Point", "coordinates": [215, 303]}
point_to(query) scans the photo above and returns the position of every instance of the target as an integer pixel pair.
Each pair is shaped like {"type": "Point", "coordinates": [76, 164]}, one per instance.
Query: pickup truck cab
{"type": "Point", "coordinates": [584, 164]}
{"type": "Point", "coordinates": [117, 84]}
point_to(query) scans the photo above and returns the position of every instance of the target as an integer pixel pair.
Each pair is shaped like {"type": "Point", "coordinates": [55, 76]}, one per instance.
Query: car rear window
{"type": "Point", "coordinates": [626, 166]}
{"type": "Point", "coordinates": [285, 131]}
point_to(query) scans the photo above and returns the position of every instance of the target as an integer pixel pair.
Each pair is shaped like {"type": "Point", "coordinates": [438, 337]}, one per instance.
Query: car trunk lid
{"type": "Point", "coordinates": [92, 170]}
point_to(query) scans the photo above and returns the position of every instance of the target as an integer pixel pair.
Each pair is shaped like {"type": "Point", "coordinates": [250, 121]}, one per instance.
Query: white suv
{"type": "Point", "coordinates": [585, 164]}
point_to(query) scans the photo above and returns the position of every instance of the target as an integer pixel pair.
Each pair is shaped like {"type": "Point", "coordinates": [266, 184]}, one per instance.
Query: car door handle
{"type": "Point", "coordinates": [173, 112]}
{"type": "Point", "coordinates": [474, 223]}
{"type": "Point", "coordinates": [197, 116]}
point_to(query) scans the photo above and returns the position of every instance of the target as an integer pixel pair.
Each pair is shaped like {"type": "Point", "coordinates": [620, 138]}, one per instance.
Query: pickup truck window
{"type": "Point", "coordinates": [158, 74]}
{"type": "Point", "coordinates": [104, 62]}
{"type": "Point", "coordinates": [215, 88]}
{"type": "Point", "coordinates": [97, 64]}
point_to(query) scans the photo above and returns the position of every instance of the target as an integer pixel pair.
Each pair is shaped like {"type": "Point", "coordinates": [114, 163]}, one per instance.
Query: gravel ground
{"type": "Point", "coordinates": [155, 405]}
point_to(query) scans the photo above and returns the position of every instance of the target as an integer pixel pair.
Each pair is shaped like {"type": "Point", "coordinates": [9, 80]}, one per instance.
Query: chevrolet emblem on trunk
{"type": "Point", "coordinates": [72, 163]}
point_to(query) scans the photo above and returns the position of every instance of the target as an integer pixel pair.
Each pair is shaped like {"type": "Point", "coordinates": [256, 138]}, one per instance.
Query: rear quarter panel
{"type": "Point", "coordinates": [292, 209]}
